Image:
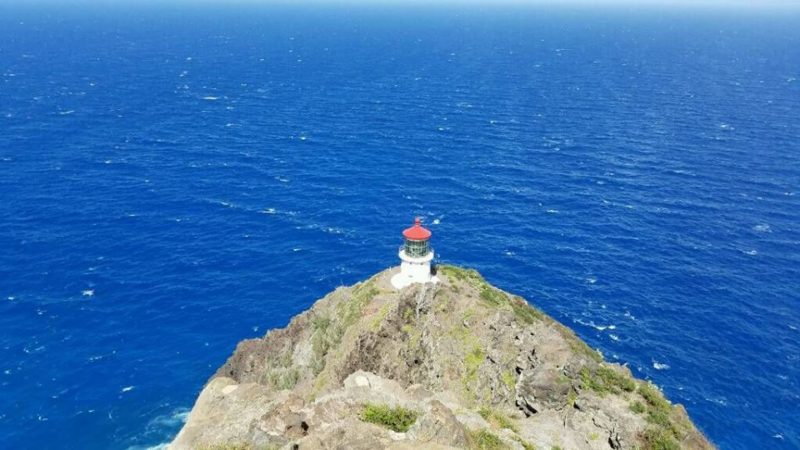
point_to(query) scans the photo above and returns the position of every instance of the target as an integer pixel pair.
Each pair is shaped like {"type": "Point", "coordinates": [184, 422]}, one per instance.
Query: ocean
{"type": "Point", "coordinates": [174, 179]}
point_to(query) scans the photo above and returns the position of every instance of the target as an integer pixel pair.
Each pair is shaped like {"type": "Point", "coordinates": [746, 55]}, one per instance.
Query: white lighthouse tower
{"type": "Point", "coordinates": [416, 255]}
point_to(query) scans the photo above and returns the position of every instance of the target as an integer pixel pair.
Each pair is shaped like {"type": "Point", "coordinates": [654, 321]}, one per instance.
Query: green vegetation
{"type": "Point", "coordinates": [470, 276]}
{"type": "Point", "coordinates": [525, 312]}
{"type": "Point", "coordinates": [525, 445]}
{"type": "Point", "coordinates": [444, 303]}
{"type": "Point", "coordinates": [497, 419]}
{"type": "Point", "coordinates": [281, 379]}
{"type": "Point", "coordinates": [472, 362]}
{"type": "Point", "coordinates": [571, 397]}
{"type": "Point", "coordinates": [667, 423]}
{"type": "Point", "coordinates": [605, 379]}
{"type": "Point", "coordinates": [659, 439]}
{"type": "Point", "coordinates": [509, 380]}
{"type": "Point", "coordinates": [323, 338]}
{"type": "Point", "coordinates": [328, 333]}
{"type": "Point", "coordinates": [653, 396]}
{"type": "Point", "coordinates": [485, 440]}
{"type": "Point", "coordinates": [396, 419]}
{"type": "Point", "coordinates": [637, 407]}
{"type": "Point", "coordinates": [378, 319]}
{"type": "Point", "coordinates": [493, 296]}
{"type": "Point", "coordinates": [279, 372]}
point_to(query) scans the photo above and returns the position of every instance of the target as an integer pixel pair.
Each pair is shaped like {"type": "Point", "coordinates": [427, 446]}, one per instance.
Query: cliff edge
{"type": "Point", "coordinates": [457, 364]}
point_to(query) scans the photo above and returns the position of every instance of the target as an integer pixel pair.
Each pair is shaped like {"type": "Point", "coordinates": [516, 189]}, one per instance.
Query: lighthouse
{"type": "Point", "coordinates": [416, 255]}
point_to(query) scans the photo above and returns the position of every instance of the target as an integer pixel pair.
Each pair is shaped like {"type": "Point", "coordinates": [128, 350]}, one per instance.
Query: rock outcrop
{"type": "Point", "coordinates": [458, 364]}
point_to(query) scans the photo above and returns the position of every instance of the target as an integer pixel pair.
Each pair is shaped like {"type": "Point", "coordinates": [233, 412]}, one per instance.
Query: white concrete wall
{"type": "Point", "coordinates": [413, 270]}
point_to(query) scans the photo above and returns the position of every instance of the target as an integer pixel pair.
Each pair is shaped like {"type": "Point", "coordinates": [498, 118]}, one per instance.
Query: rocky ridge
{"type": "Point", "coordinates": [457, 364]}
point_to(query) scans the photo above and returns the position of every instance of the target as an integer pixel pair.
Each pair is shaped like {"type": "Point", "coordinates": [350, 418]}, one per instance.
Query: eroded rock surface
{"type": "Point", "coordinates": [474, 366]}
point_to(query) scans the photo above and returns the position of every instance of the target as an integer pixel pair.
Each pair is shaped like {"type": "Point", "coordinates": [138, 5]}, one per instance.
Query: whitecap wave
{"type": "Point", "coordinates": [762, 228]}
{"type": "Point", "coordinates": [595, 326]}
{"type": "Point", "coordinates": [660, 366]}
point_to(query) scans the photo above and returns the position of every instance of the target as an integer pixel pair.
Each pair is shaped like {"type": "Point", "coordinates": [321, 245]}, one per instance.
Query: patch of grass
{"type": "Point", "coordinates": [485, 440]}
{"type": "Point", "coordinates": [605, 379]}
{"type": "Point", "coordinates": [487, 293]}
{"type": "Point", "coordinates": [319, 384]}
{"type": "Point", "coordinates": [659, 439]}
{"type": "Point", "coordinates": [468, 315]}
{"type": "Point", "coordinates": [524, 444]}
{"type": "Point", "coordinates": [469, 276]}
{"type": "Point", "coordinates": [615, 379]}
{"type": "Point", "coordinates": [320, 323]}
{"type": "Point", "coordinates": [653, 396]}
{"type": "Point", "coordinates": [637, 407]}
{"type": "Point", "coordinates": [668, 423]}
{"type": "Point", "coordinates": [492, 296]}
{"type": "Point", "coordinates": [384, 311]}
{"type": "Point", "coordinates": [509, 380]}
{"type": "Point", "coordinates": [524, 311]}
{"type": "Point", "coordinates": [328, 333]}
{"type": "Point", "coordinates": [282, 379]}
{"type": "Point", "coordinates": [497, 419]}
{"type": "Point", "coordinates": [408, 315]}
{"type": "Point", "coordinates": [590, 382]}
{"type": "Point", "coordinates": [396, 419]}
{"type": "Point", "coordinates": [445, 303]}
{"type": "Point", "coordinates": [414, 335]}
{"type": "Point", "coordinates": [659, 417]}
{"type": "Point", "coordinates": [571, 397]}
{"type": "Point", "coordinates": [472, 362]}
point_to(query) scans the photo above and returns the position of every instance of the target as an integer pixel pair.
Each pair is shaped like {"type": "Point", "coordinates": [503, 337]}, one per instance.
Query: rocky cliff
{"type": "Point", "coordinates": [458, 364]}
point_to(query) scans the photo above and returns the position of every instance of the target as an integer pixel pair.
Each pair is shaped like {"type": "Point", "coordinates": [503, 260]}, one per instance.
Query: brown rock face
{"type": "Point", "coordinates": [457, 364]}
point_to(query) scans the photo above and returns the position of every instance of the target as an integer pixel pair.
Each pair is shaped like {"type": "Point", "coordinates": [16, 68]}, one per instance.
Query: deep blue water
{"type": "Point", "coordinates": [175, 180]}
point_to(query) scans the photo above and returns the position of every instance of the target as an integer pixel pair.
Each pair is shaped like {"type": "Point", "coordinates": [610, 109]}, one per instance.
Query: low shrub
{"type": "Point", "coordinates": [397, 419]}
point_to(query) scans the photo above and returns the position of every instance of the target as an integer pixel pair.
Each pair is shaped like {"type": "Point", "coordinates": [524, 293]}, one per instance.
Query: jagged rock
{"type": "Point", "coordinates": [468, 362]}
{"type": "Point", "coordinates": [438, 425]}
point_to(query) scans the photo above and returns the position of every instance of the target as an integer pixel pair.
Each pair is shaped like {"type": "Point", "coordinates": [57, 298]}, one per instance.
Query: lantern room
{"type": "Point", "coordinates": [417, 240]}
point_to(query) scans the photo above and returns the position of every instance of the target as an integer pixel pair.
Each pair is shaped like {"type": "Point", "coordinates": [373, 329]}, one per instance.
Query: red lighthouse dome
{"type": "Point", "coordinates": [417, 232]}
